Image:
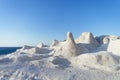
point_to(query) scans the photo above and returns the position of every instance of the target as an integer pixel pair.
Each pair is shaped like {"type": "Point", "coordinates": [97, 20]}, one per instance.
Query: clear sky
{"type": "Point", "coordinates": [33, 21]}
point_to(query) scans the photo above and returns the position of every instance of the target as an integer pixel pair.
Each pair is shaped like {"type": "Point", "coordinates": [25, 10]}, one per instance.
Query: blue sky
{"type": "Point", "coordinates": [33, 21]}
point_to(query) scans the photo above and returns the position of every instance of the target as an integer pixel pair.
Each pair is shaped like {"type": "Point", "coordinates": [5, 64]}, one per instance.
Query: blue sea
{"type": "Point", "coordinates": [8, 50]}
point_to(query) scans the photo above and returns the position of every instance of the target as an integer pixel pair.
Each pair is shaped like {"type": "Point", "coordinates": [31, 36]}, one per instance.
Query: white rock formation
{"type": "Point", "coordinates": [105, 39]}
{"type": "Point", "coordinates": [40, 45]}
{"type": "Point", "coordinates": [37, 50]}
{"type": "Point", "coordinates": [54, 43]}
{"type": "Point", "coordinates": [88, 41]}
{"type": "Point", "coordinates": [69, 48]}
{"type": "Point", "coordinates": [114, 47]}
{"type": "Point", "coordinates": [26, 47]}
{"type": "Point", "coordinates": [100, 58]}
{"type": "Point", "coordinates": [59, 63]}
{"type": "Point", "coordinates": [34, 50]}
{"type": "Point", "coordinates": [87, 38]}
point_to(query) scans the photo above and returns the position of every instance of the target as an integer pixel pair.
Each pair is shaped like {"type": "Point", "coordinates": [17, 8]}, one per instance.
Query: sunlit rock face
{"type": "Point", "coordinates": [88, 38]}
{"type": "Point", "coordinates": [68, 48]}
{"type": "Point", "coordinates": [114, 47]}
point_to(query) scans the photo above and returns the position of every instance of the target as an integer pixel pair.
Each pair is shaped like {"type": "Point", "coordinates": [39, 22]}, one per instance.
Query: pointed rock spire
{"type": "Point", "coordinates": [69, 48]}
{"type": "Point", "coordinates": [87, 37]}
{"type": "Point", "coordinates": [70, 38]}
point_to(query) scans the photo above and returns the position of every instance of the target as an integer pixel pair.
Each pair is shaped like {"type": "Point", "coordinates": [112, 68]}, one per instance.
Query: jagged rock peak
{"type": "Point", "coordinates": [87, 37]}
{"type": "Point", "coordinates": [40, 45]}
{"type": "Point", "coordinates": [70, 48]}
{"type": "Point", "coordinates": [70, 38]}
{"type": "Point", "coordinates": [67, 48]}
{"type": "Point", "coordinates": [70, 41]}
{"type": "Point", "coordinates": [87, 33]}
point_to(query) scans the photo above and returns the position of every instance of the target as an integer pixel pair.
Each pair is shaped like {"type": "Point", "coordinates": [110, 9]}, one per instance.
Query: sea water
{"type": "Point", "coordinates": [8, 50]}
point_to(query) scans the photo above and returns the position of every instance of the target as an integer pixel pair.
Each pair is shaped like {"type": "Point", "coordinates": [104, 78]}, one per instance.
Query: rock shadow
{"type": "Point", "coordinates": [61, 62]}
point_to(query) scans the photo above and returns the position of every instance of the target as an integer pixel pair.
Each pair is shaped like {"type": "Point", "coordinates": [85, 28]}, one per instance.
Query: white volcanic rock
{"type": "Point", "coordinates": [40, 49]}
{"type": "Point", "coordinates": [87, 38]}
{"type": "Point", "coordinates": [33, 64]}
{"type": "Point", "coordinates": [57, 45]}
{"type": "Point", "coordinates": [54, 43]}
{"type": "Point", "coordinates": [37, 50]}
{"type": "Point", "coordinates": [40, 45]}
{"type": "Point", "coordinates": [69, 48]}
{"type": "Point", "coordinates": [102, 60]}
{"type": "Point", "coordinates": [105, 39]}
{"type": "Point", "coordinates": [113, 37]}
{"type": "Point", "coordinates": [25, 47]}
{"type": "Point", "coordinates": [114, 47]}
{"type": "Point", "coordinates": [88, 41]}
{"type": "Point", "coordinates": [34, 50]}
